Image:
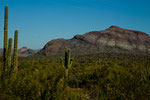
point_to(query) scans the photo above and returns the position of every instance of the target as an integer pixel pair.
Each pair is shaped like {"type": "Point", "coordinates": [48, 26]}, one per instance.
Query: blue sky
{"type": "Point", "coordinates": [40, 21]}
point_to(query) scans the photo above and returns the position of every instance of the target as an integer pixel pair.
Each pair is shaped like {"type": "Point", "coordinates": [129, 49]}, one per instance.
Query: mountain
{"type": "Point", "coordinates": [113, 39]}
{"type": "Point", "coordinates": [23, 52]}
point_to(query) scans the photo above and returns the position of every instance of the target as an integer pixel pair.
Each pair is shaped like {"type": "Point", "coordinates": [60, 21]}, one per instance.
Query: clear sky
{"type": "Point", "coordinates": [40, 21]}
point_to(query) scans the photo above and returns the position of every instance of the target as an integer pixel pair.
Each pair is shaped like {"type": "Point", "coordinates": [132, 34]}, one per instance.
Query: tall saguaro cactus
{"type": "Point", "coordinates": [9, 54]}
{"type": "Point", "coordinates": [15, 56]}
{"type": "Point", "coordinates": [9, 64]}
{"type": "Point", "coordinates": [5, 39]}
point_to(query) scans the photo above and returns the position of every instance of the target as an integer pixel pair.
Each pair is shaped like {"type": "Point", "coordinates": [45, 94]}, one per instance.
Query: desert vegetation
{"type": "Point", "coordinates": [91, 77]}
{"type": "Point", "coordinates": [103, 76]}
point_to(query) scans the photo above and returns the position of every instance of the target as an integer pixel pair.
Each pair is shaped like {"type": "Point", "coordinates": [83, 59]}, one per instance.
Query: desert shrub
{"type": "Point", "coordinates": [91, 77]}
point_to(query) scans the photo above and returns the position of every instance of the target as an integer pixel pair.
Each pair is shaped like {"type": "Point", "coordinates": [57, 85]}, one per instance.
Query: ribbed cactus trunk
{"type": "Point", "coordinates": [9, 55]}
{"type": "Point", "coordinates": [15, 56]}
{"type": "Point", "coordinates": [67, 65]}
{"type": "Point", "coordinates": [5, 40]}
{"type": "Point", "coordinates": [68, 62]}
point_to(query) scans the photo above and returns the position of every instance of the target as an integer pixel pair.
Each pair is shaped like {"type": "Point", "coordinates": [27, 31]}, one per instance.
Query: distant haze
{"type": "Point", "coordinates": [40, 21]}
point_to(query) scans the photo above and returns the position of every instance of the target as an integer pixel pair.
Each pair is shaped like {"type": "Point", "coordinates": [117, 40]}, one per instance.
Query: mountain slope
{"type": "Point", "coordinates": [113, 39]}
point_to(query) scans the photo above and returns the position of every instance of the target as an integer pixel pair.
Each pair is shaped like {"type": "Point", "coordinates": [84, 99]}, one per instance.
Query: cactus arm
{"type": "Point", "coordinates": [70, 64]}
{"type": "Point", "coordinates": [62, 62]}
{"type": "Point", "coordinates": [15, 56]}
{"type": "Point", "coordinates": [66, 59]}
{"type": "Point", "coordinates": [68, 52]}
{"type": "Point", "coordinates": [9, 54]}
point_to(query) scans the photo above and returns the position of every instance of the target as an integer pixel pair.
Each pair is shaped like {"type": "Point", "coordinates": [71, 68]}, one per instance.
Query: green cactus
{"type": "Point", "coordinates": [15, 56]}
{"type": "Point", "coordinates": [7, 51]}
{"type": "Point", "coordinates": [9, 55]}
{"type": "Point", "coordinates": [68, 62]}
{"type": "Point", "coordinates": [5, 39]}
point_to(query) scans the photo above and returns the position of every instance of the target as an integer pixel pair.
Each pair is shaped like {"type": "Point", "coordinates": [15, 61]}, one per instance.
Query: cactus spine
{"type": "Point", "coordinates": [5, 39]}
{"type": "Point", "coordinates": [15, 56]}
{"type": "Point", "coordinates": [9, 55]}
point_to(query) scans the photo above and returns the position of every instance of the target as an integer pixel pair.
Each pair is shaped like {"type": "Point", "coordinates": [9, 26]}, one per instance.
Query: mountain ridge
{"type": "Point", "coordinates": [113, 39]}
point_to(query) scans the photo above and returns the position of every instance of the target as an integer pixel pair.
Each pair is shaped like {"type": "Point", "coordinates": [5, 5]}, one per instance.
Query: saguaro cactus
{"type": "Point", "coordinates": [68, 62]}
{"type": "Point", "coordinates": [5, 39]}
{"type": "Point", "coordinates": [7, 51]}
{"type": "Point", "coordinates": [9, 55]}
{"type": "Point", "coordinates": [15, 56]}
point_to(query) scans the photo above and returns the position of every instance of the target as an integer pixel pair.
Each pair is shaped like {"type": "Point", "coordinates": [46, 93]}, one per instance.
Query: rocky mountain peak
{"type": "Point", "coordinates": [113, 39]}
{"type": "Point", "coordinates": [115, 28]}
{"type": "Point", "coordinates": [23, 49]}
